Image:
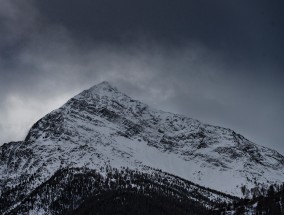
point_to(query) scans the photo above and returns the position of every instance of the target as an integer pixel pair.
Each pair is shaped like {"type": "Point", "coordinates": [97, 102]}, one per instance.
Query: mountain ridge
{"type": "Point", "coordinates": [104, 127]}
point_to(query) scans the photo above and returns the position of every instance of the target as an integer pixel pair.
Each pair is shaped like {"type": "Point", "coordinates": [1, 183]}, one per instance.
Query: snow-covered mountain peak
{"type": "Point", "coordinates": [107, 97]}
{"type": "Point", "coordinates": [102, 89]}
{"type": "Point", "coordinates": [103, 86]}
{"type": "Point", "coordinates": [104, 126]}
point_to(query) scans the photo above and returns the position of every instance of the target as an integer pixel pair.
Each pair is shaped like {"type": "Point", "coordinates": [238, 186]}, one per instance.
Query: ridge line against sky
{"type": "Point", "coordinates": [220, 62]}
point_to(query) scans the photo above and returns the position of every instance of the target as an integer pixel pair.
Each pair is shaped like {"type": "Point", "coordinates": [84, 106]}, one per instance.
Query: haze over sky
{"type": "Point", "coordinates": [217, 61]}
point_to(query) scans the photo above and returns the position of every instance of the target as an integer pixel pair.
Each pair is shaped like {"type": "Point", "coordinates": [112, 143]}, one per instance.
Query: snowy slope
{"type": "Point", "coordinates": [102, 126]}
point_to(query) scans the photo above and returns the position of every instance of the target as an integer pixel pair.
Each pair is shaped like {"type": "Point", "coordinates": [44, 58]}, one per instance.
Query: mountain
{"type": "Point", "coordinates": [102, 129]}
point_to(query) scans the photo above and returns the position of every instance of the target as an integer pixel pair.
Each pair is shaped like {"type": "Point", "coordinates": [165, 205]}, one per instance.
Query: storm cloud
{"type": "Point", "coordinates": [217, 61]}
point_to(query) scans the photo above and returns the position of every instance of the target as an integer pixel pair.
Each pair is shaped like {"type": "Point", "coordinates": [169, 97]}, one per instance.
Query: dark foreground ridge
{"type": "Point", "coordinates": [84, 191]}
{"type": "Point", "coordinates": [270, 203]}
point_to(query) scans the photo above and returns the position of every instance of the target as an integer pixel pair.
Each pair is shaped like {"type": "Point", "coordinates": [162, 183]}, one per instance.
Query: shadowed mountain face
{"type": "Point", "coordinates": [103, 127]}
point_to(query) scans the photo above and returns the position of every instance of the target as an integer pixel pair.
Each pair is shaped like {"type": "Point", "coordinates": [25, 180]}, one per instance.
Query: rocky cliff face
{"type": "Point", "coordinates": [104, 127]}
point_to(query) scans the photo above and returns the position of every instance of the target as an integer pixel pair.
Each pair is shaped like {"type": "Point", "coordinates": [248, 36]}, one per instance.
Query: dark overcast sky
{"type": "Point", "coordinates": [217, 61]}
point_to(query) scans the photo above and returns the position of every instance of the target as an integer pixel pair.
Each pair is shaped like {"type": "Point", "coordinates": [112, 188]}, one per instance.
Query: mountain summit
{"type": "Point", "coordinates": [102, 127]}
{"type": "Point", "coordinates": [103, 86]}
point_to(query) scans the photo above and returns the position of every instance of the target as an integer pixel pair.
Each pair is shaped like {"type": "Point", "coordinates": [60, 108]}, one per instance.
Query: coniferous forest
{"type": "Point", "coordinates": [271, 203]}
{"type": "Point", "coordinates": [84, 191]}
{"type": "Point", "coordinates": [81, 191]}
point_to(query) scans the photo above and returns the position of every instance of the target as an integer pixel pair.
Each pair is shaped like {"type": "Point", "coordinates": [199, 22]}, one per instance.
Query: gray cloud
{"type": "Point", "coordinates": [46, 62]}
{"type": "Point", "coordinates": [17, 20]}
